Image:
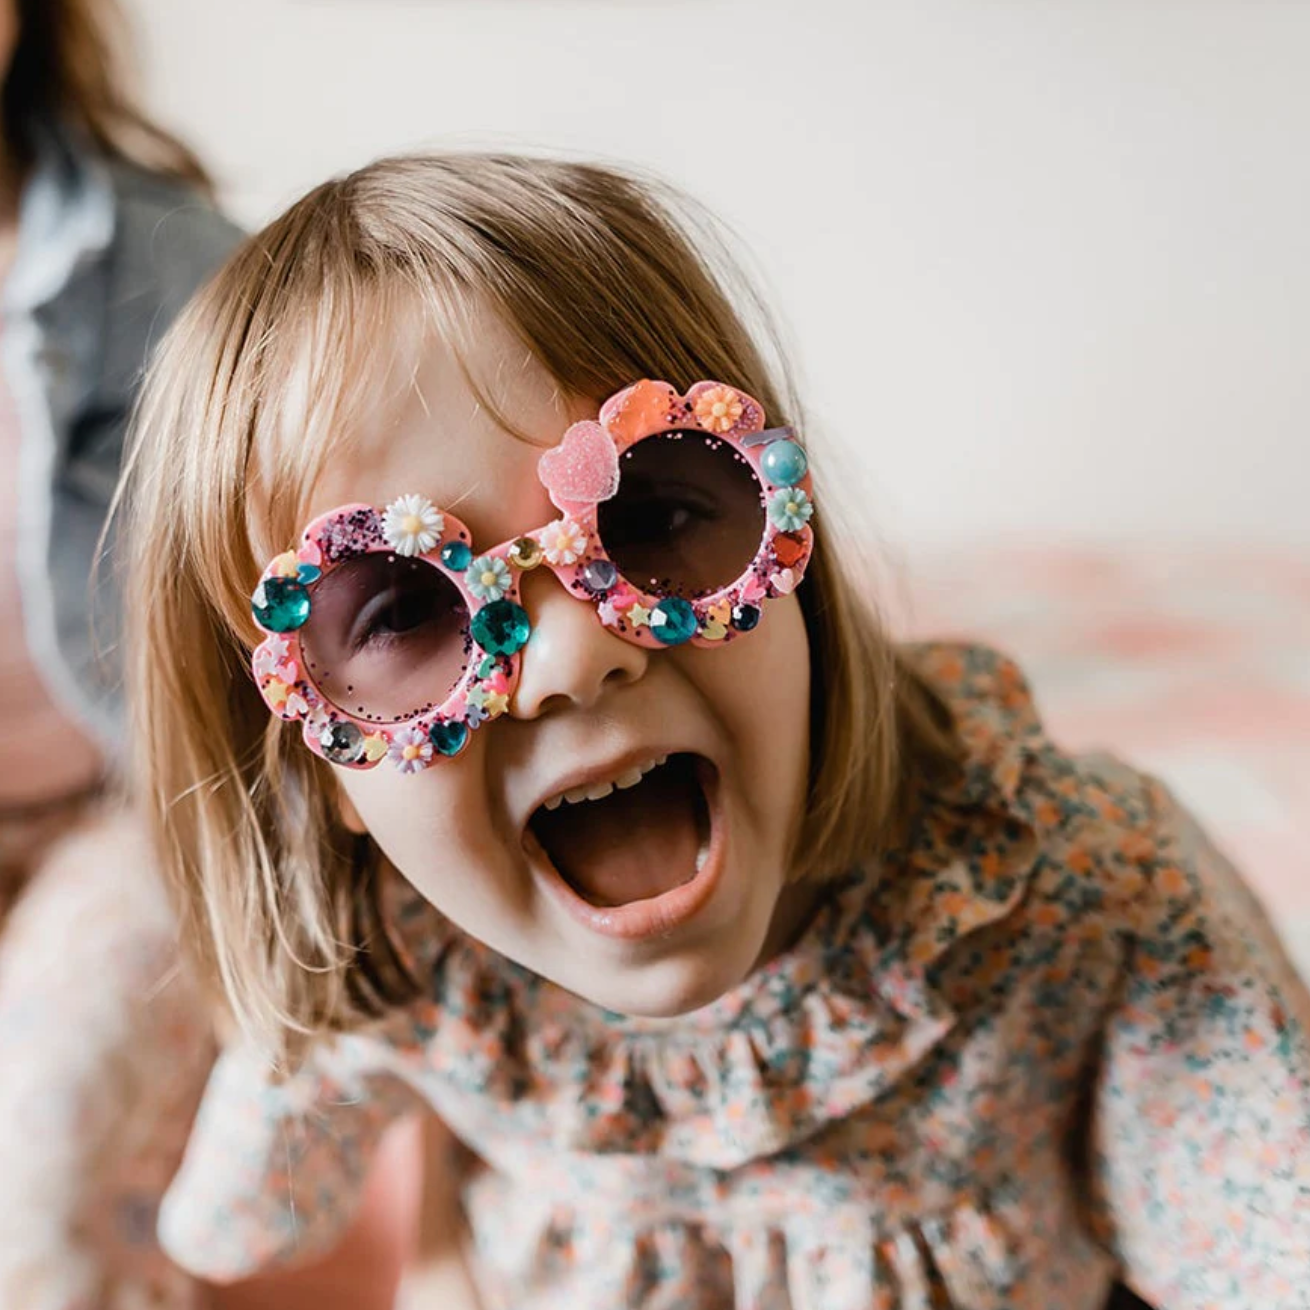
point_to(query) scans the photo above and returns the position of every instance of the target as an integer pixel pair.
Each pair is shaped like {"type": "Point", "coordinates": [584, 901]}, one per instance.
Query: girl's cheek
{"type": "Point", "coordinates": [351, 818]}
{"type": "Point", "coordinates": [762, 682]}
{"type": "Point", "coordinates": [403, 812]}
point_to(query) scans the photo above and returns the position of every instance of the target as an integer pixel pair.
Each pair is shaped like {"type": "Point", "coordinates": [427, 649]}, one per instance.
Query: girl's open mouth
{"type": "Point", "coordinates": [636, 855]}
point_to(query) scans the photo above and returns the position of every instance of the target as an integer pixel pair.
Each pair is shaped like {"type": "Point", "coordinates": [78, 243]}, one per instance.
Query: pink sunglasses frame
{"type": "Point", "coordinates": [579, 475]}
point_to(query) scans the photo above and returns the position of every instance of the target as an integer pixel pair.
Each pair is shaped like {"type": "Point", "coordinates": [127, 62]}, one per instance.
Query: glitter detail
{"type": "Point", "coordinates": [350, 534]}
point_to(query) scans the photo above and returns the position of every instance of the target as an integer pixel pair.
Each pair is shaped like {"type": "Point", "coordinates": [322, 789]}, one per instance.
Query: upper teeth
{"type": "Point", "coordinates": [595, 791]}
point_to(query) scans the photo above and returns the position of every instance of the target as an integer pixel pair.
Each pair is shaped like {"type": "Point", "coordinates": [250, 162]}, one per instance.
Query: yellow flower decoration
{"type": "Point", "coordinates": [286, 565]}
{"type": "Point", "coordinates": [718, 409]}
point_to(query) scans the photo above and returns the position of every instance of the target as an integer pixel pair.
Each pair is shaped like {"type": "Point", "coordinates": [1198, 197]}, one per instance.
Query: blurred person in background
{"type": "Point", "coordinates": [106, 227]}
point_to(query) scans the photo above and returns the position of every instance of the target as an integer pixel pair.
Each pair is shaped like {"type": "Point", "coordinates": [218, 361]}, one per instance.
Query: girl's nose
{"type": "Point", "coordinates": [571, 659]}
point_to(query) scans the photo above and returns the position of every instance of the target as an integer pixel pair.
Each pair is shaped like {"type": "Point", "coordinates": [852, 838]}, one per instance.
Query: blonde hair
{"type": "Point", "coordinates": [598, 273]}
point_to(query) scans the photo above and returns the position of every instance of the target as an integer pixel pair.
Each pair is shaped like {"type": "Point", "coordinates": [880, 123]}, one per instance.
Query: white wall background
{"type": "Point", "coordinates": [1045, 264]}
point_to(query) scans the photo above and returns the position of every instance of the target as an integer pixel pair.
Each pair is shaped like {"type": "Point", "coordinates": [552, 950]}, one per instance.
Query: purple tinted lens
{"type": "Point", "coordinates": [387, 637]}
{"type": "Point", "coordinates": [688, 517]}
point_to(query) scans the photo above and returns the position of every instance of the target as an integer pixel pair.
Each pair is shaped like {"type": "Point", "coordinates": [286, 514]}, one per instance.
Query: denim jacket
{"type": "Point", "coordinates": [107, 254]}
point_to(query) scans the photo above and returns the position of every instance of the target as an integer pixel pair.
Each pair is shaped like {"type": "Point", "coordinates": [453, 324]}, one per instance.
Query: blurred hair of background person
{"type": "Point", "coordinates": [106, 227]}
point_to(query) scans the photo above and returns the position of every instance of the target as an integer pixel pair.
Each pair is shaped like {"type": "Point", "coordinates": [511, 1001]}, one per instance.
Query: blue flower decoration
{"type": "Point", "coordinates": [790, 510]}
{"type": "Point", "coordinates": [488, 578]}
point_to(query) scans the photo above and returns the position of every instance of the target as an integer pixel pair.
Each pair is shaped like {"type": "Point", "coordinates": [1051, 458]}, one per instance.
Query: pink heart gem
{"type": "Point", "coordinates": [582, 469]}
{"type": "Point", "coordinates": [785, 581]}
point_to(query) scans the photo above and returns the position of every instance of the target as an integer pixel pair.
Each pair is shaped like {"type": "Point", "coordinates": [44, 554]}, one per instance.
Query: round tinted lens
{"type": "Point", "coordinates": [688, 517]}
{"type": "Point", "coordinates": [387, 637]}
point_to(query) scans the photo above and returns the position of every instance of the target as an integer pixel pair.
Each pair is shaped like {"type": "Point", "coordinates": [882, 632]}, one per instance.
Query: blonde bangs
{"type": "Point", "coordinates": [264, 381]}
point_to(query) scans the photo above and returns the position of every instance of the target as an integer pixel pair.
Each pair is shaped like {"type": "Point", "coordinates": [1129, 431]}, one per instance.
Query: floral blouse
{"type": "Point", "coordinates": [1048, 1045]}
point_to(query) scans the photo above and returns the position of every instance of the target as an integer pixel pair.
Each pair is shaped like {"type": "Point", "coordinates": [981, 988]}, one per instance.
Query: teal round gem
{"type": "Point", "coordinates": [455, 555]}
{"type": "Point", "coordinates": [280, 604]}
{"type": "Point", "coordinates": [501, 628]}
{"type": "Point", "coordinates": [784, 463]}
{"type": "Point", "coordinates": [448, 738]}
{"type": "Point", "coordinates": [673, 621]}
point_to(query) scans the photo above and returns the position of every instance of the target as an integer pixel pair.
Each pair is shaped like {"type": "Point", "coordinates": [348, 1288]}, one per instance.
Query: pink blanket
{"type": "Point", "coordinates": [1194, 664]}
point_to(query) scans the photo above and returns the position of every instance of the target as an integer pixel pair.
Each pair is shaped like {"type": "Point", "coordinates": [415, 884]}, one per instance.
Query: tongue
{"type": "Point", "coordinates": [634, 844]}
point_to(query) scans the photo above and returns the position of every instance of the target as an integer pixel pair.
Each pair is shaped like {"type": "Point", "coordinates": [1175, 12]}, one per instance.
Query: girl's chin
{"type": "Point", "coordinates": [658, 981]}
{"type": "Point", "coordinates": [662, 995]}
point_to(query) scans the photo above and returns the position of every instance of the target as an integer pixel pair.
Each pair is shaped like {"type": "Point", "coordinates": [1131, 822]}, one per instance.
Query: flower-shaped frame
{"type": "Point", "coordinates": [580, 475]}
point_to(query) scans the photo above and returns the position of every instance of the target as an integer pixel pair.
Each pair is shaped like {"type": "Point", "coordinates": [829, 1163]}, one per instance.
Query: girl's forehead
{"type": "Point", "coordinates": [463, 427]}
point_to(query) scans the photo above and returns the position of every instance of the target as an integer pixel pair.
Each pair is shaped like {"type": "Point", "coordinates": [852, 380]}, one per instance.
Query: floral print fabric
{"type": "Point", "coordinates": [1048, 1044]}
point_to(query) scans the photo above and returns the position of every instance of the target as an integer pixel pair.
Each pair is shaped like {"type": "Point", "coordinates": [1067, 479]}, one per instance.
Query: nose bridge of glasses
{"type": "Point", "coordinates": [567, 547]}
{"type": "Point", "coordinates": [571, 656]}
{"type": "Point", "coordinates": [541, 589]}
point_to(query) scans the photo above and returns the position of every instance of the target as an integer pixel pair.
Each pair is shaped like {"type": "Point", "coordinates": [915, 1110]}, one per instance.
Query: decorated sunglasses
{"type": "Point", "coordinates": [391, 636]}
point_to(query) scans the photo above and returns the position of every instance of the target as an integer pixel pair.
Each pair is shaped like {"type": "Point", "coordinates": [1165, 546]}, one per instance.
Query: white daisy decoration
{"type": "Point", "coordinates": [564, 542]}
{"type": "Point", "coordinates": [410, 750]}
{"type": "Point", "coordinates": [412, 525]}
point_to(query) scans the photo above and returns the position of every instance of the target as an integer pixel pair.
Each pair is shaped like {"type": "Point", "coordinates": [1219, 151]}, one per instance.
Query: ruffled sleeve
{"type": "Point", "coordinates": [275, 1169]}
{"type": "Point", "coordinates": [1201, 1128]}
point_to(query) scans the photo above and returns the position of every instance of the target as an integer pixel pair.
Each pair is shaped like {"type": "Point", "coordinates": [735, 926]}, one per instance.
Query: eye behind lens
{"type": "Point", "coordinates": [387, 636]}
{"type": "Point", "coordinates": [688, 518]}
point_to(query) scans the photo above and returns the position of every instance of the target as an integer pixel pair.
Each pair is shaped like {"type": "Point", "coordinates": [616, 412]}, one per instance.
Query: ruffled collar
{"type": "Point", "coordinates": [823, 1029]}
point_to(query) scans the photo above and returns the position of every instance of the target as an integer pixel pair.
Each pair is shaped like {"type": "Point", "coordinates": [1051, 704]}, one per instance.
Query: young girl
{"type": "Point", "coordinates": [523, 744]}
